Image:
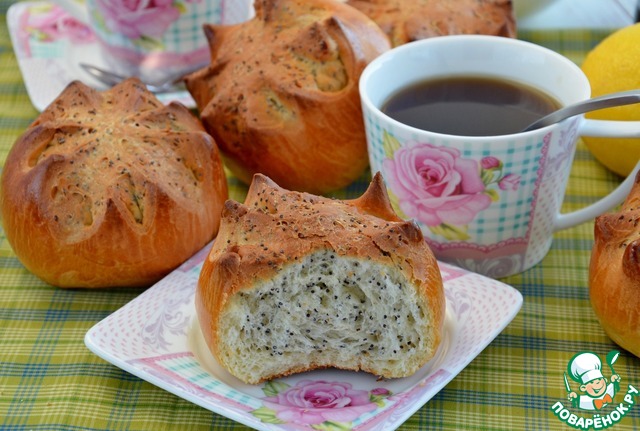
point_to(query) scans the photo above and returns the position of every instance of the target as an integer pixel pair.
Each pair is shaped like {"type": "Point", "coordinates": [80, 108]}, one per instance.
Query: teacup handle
{"type": "Point", "coordinates": [75, 8]}
{"type": "Point", "coordinates": [611, 129]}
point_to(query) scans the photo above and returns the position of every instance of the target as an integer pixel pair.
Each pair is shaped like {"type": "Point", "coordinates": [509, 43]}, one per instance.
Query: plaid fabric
{"type": "Point", "coordinates": [50, 381]}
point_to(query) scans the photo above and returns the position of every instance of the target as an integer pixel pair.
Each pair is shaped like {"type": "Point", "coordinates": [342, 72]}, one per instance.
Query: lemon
{"type": "Point", "coordinates": [614, 65]}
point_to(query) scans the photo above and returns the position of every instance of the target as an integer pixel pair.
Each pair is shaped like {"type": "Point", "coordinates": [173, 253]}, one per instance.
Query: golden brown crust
{"type": "Point", "coordinates": [111, 188]}
{"type": "Point", "coordinates": [409, 20]}
{"type": "Point", "coordinates": [281, 94]}
{"type": "Point", "coordinates": [275, 227]}
{"type": "Point", "coordinates": [614, 272]}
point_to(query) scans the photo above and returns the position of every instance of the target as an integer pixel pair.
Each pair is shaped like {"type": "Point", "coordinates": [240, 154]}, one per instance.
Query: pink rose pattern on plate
{"type": "Point", "coordinates": [441, 189]}
{"type": "Point", "coordinates": [319, 404]}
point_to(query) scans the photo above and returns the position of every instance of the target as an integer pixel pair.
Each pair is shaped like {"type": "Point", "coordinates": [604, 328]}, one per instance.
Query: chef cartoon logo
{"type": "Point", "coordinates": [590, 388]}
{"type": "Point", "coordinates": [596, 390]}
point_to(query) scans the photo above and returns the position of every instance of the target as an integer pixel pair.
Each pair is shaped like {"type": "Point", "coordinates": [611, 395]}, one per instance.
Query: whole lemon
{"type": "Point", "coordinates": [614, 65]}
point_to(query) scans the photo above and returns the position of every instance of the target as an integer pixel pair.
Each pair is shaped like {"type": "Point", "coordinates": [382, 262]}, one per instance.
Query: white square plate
{"type": "Point", "coordinates": [157, 338]}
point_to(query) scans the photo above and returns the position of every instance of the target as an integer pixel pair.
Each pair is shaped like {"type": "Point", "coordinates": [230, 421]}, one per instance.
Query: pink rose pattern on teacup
{"type": "Point", "coordinates": [317, 403]}
{"type": "Point", "coordinates": [441, 189]}
{"type": "Point", "coordinates": [509, 182]}
{"type": "Point", "coordinates": [51, 23]}
{"type": "Point", "coordinates": [143, 20]}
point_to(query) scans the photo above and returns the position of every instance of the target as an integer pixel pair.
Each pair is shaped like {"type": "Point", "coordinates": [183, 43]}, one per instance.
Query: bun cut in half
{"type": "Point", "coordinates": [297, 282]}
{"type": "Point", "coordinates": [111, 188]}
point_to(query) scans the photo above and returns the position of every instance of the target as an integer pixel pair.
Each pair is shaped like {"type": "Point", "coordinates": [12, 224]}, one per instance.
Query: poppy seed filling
{"type": "Point", "coordinates": [326, 309]}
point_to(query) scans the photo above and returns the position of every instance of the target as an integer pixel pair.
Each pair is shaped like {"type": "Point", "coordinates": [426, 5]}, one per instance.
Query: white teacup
{"type": "Point", "coordinates": [488, 204]}
{"type": "Point", "coordinates": [155, 40]}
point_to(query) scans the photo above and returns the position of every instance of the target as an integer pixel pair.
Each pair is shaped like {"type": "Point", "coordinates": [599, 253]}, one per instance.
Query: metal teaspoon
{"type": "Point", "coordinates": [601, 102]}
{"type": "Point", "coordinates": [170, 85]}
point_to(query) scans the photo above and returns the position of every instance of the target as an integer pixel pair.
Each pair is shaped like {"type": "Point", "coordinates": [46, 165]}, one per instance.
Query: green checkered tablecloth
{"type": "Point", "coordinates": [49, 380]}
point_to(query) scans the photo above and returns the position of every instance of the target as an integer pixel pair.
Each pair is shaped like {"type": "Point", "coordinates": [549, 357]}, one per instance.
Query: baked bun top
{"type": "Point", "coordinates": [111, 188]}
{"type": "Point", "coordinates": [408, 20]}
{"type": "Point", "coordinates": [281, 94]}
{"type": "Point", "coordinates": [276, 226]}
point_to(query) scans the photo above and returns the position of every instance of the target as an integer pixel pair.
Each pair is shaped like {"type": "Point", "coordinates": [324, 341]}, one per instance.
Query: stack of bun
{"type": "Point", "coordinates": [111, 188]}
{"type": "Point", "coordinates": [614, 272]}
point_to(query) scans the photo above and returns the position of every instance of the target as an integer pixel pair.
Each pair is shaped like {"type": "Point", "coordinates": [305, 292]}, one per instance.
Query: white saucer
{"type": "Point", "coordinates": [157, 338]}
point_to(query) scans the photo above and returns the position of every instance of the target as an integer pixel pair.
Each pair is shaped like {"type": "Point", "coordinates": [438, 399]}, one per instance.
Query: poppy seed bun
{"type": "Point", "coordinates": [111, 188]}
{"type": "Point", "coordinates": [409, 20]}
{"type": "Point", "coordinates": [297, 282]}
{"type": "Point", "coordinates": [281, 94]}
{"type": "Point", "coordinates": [614, 272]}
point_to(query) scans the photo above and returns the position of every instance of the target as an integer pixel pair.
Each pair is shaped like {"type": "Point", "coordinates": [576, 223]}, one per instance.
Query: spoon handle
{"type": "Point", "coordinates": [607, 101]}
{"type": "Point", "coordinates": [104, 76]}
{"type": "Point", "coordinates": [171, 84]}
